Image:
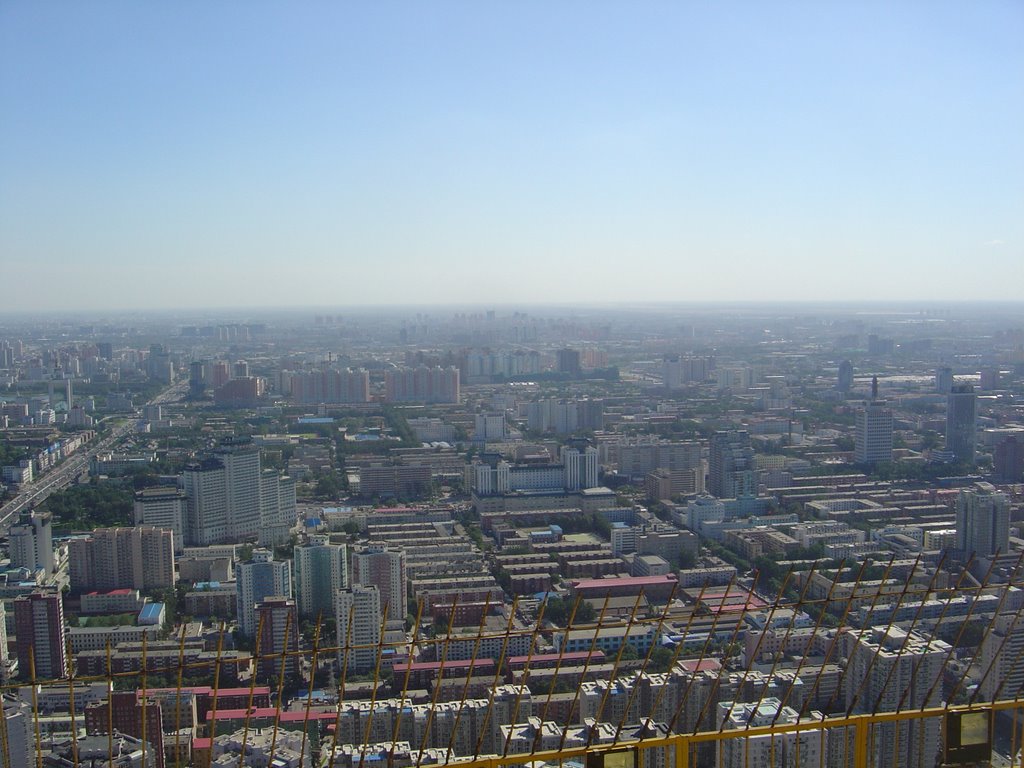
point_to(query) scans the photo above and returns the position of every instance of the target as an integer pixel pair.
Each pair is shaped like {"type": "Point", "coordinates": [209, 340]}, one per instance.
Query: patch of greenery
{"type": "Point", "coordinates": [85, 507]}
{"type": "Point", "coordinates": [11, 454]}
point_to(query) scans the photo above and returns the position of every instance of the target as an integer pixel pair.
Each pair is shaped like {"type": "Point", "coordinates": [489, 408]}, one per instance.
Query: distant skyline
{"type": "Point", "coordinates": [330, 154]}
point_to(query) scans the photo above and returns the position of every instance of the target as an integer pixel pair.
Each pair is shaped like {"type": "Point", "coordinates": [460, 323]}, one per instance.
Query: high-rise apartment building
{"type": "Point", "coordinates": [982, 521]}
{"type": "Point", "coordinates": [890, 668]}
{"type": "Point", "coordinates": [330, 386]}
{"type": "Point", "coordinates": [844, 381]}
{"type": "Point", "coordinates": [637, 457]}
{"type": "Point", "coordinates": [206, 493]}
{"type": "Point", "coordinates": [122, 558]}
{"type": "Point", "coordinates": [802, 749]}
{"type": "Point", "coordinates": [568, 361]}
{"type": "Point", "coordinates": [220, 373]}
{"type": "Point", "coordinates": [873, 433]}
{"type": "Point", "coordinates": [564, 417]}
{"type": "Point", "coordinates": [678, 370]}
{"type": "Point", "coordinates": [422, 384]}
{"type": "Point", "coordinates": [358, 619]}
{"type": "Point", "coordinates": [731, 469]}
{"type": "Point", "coordinates": [230, 499]}
{"type": "Point", "coordinates": [384, 568]}
{"type": "Point", "coordinates": [1008, 460]}
{"type": "Point", "coordinates": [241, 460]}
{"type": "Point", "coordinates": [163, 506]}
{"type": "Point", "coordinates": [277, 622]}
{"type": "Point", "coordinates": [490, 427]}
{"type": "Point", "coordinates": [39, 629]}
{"type": "Point", "coordinates": [321, 569]}
{"type": "Point", "coordinates": [1000, 653]}
{"type": "Point", "coordinates": [3, 644]}
{"type": "Point", "coordinates": [277, 508]}
{"type": "Point", "coordinates": [197, 374]}
{"type": "Point", "coordinates": [18, 749]}
{"type": "Point", "coordinates": [580, 466]}
{"type": "Point", "coordinates": [256, 580]}
{"type": "Point", "coordinates": [961, 422]}
{"type": "Point", "coordinates": [132, 714]}
{"type": "Point", "coordinates": [31, 542]}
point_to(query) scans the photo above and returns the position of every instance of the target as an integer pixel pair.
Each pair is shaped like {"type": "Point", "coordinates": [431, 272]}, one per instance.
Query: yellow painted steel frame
{"type": "Point", "coordinates": [681, 743]}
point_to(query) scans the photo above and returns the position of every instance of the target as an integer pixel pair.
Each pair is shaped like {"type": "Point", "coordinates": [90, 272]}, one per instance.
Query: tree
{"type": "Point", "coordinates": [629, 653]}
{"type": "Point", "coordinates": [661, 659]}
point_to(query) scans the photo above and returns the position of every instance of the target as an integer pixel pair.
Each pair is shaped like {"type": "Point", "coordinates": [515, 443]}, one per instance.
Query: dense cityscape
{"type": "Point", "coordinates": [338, 537]}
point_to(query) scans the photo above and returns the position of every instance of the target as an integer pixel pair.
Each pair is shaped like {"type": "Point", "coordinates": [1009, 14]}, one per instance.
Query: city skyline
{"type": "Point", "coordinates": [341, 155]}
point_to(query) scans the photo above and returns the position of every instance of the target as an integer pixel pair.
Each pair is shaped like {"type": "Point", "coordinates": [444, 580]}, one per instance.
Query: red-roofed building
{"type": "Point", "coordinates": [652, 587]}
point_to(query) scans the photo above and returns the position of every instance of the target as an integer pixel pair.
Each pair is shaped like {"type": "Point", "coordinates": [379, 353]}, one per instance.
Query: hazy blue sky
{"type": "Point", "coordinates": [246, 153]}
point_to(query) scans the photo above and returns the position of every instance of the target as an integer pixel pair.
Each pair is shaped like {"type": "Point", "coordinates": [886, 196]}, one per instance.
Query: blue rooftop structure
{"type": "Point", "coordinates": [151, 613]}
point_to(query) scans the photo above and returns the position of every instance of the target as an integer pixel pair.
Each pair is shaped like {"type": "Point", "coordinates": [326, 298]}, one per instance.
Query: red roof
{"type": "Point", "coordinates": [292, 716]}
{"type": "Point", "coordinates": [699, 665]}
{"type": "Point", "coordinates": [206, 690]}
{"type": "Point", "coordinates": [635, 581]}
{"type": "Point", "coordinates": [423, 666]}
{"type": "Point", "coordinates": [573, 656]}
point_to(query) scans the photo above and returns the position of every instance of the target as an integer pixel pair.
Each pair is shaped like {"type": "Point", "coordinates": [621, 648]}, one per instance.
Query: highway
{"type": "Point", "coordinates": [65, 473]}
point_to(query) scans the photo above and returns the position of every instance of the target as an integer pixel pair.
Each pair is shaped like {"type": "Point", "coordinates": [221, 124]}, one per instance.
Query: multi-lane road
{"type": "Point", "coordinates": [70, 469]}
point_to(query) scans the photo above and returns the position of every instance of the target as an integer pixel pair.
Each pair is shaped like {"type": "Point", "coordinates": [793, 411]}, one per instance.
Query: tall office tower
{"type": "Point", "coordinates": [944, 380]}
{"type": "Point", "coordinates": [256, 580]}
{"type": "Point", "coordinates": [241, 459]}
{"type": "Point", "coordinates": [277, 508]}
{"type": "Point", "coordinates": [122, 558]}
{"type": "Point", "coordinates": [358, 617]}
{"type": "Point", "coordinates": [321, 569]}
{"type": "Point", "coordinates": [196, 378]}
{"type": "Point", "coordinates": [873, 435]}
{"type": "Point", "coordinates": [567, 361]}
{"type": "Point", "coordinates": [731, 472]}
{"type": "Point", "coordinates": [982, 521]}
{"type": "Point", "coordinates": [240, 370]}
{"type": "Point", "coordinates": [163, 506]}
{"type": "Point", "coordinates": [383, 568]}
{"type": "Point", "coordinates": [18, 743]}
{"type": "Point", "coordinates": [1001, 651]}
{"type": "Point", "coordinates": [39, 626]}
{"type": "Point", "coordinates": [1008, 460]}
{"type": "Point", "coordinates": [31, 542]}
{"type": "Point", "coordinates": [844, 382]}
{"type": "Point", "coordinates": [580, 466]}
{"type": "Point", "coordinates": [784, 750]}
{"type": "Point", "coordinates": [889, 668]}
{"type": "Point", "coordinates": [277, 622]}
{"type": "Point", "coordinates": [206, 493]}
{"type": "Point", "coordinates": [961, 418]}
